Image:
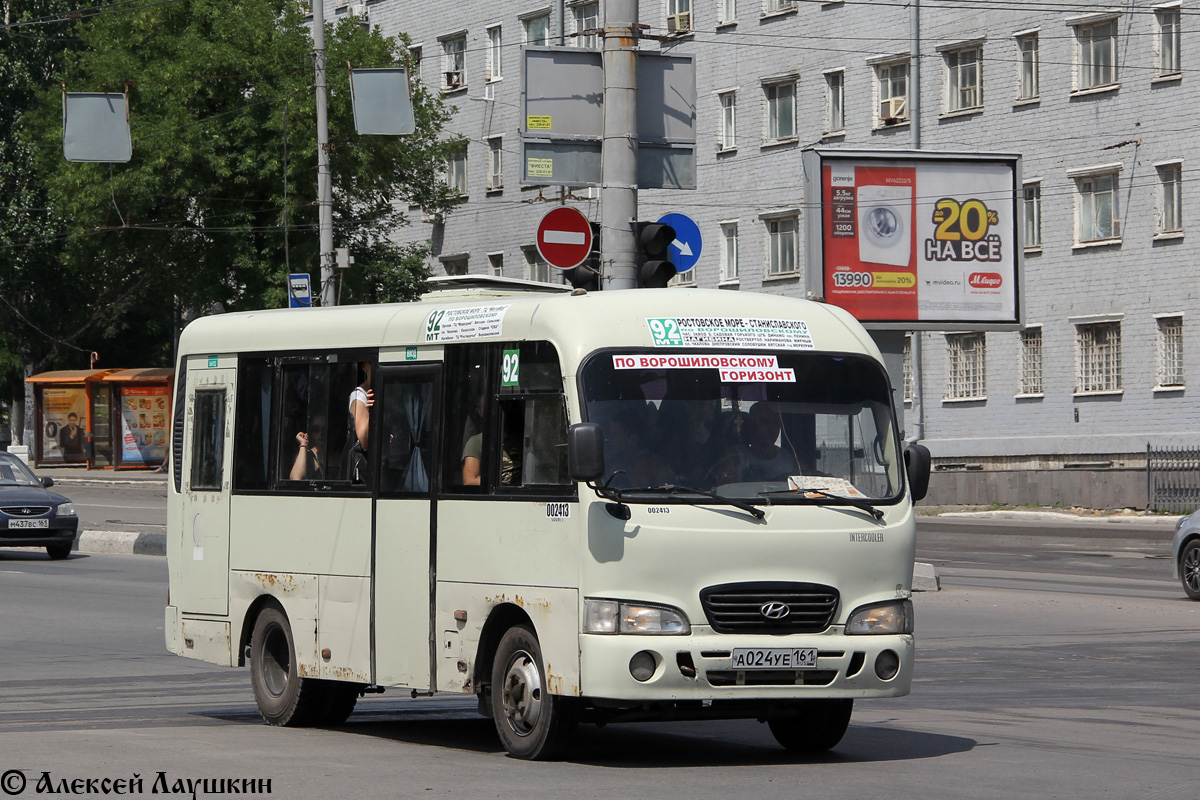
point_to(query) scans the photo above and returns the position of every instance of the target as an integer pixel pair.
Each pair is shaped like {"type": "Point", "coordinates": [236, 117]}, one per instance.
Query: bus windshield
{"type": "Point", "coordinates": [792, 426]}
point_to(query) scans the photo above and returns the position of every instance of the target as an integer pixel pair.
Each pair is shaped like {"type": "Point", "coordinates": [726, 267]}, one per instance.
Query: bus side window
{"type": "Point", "coordinates": [313, 425]}
{"type": "Point", "coordinates": [467, 410]}
{"type": "Point", "coordinates": [208, 441]}
{"type": "Point", "coordinates": [253, 441]}
{"type": "Point", "coordinates": [533, 417]}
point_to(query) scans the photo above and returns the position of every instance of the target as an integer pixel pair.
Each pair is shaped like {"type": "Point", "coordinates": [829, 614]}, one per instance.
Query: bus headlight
{"type": "Point", "coordinates": [894, 616]}
{"type": "Point", "coordinates": [611, 616]}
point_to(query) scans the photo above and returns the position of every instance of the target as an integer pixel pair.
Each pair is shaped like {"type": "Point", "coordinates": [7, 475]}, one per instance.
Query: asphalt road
{"type": "Point", "coordinates": [1054, 663]}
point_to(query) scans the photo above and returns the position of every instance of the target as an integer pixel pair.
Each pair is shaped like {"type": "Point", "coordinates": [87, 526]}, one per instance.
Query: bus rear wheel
{"type": "Point", "coordinates": [283, 697]}
{"type": "Point", "coordinates": [532, 723]}
{"type": "Point", "coordinates": [819, 726]}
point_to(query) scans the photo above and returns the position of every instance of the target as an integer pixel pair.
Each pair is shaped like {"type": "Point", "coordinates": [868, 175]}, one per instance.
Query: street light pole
{"type": "Point", "coordinates": [324, 180]}
{"type": "Point", "coordinates": [618, 188]}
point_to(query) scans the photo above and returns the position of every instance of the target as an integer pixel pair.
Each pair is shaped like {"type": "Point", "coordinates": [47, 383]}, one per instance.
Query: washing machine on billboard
{"type": "Point", "coordinates": [885, 225]}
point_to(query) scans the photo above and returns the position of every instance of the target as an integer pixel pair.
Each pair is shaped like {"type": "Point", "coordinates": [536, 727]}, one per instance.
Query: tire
{"type": "Point", "coordinates": [338, 701]}
{"type": "Point", "coordinates": [818, 727]}
{"type": "Point", "coordinates": [59, 551]}
{"type": "Point", "coordinates": [283, 697]}
{"type": "Point", "coordinates": [1189, 569]}
{"type": "Point", "coordinates": [532, 723]}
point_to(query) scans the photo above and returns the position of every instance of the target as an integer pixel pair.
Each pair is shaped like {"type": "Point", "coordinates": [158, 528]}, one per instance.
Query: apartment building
{"type": "Point", "coordinates": [1099, 101]}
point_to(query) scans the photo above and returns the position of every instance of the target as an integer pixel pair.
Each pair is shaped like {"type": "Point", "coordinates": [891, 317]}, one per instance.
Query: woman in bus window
{"type": "Point", "coordinates": [361, 400]}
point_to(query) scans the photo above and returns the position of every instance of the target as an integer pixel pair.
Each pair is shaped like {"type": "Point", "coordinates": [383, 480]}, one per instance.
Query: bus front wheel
{"type": "Point", "coordinates": [532, 723]}
{"type": "Point", "coordinates": [283, 697]}
{"type": "Point", "coordinates": [819, 726]}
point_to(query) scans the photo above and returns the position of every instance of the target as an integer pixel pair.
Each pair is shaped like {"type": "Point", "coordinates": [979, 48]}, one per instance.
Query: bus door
{"type": "Point", "coordinates": [403, 574]}
{"type": "Point", "coordinates": [207, 454]}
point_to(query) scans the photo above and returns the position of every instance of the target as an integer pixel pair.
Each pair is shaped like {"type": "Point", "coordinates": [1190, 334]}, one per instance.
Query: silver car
{"type": "Point", "coordinates": [1186, 549]}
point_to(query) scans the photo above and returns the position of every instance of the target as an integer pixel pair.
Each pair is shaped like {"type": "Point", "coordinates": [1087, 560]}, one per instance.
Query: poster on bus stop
{"type": "Point", "coordinates": [144, 414]}
{"type": "Point", "coordinates": [917, 240]}
{"type": "Point", "coordinates": [64, 420]}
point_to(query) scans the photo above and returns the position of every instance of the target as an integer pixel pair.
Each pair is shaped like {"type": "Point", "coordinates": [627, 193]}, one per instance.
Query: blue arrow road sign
{"type": "Point", "coordinates": [299, 290]}
{"type": "Point", "coordinates": [684, 252]}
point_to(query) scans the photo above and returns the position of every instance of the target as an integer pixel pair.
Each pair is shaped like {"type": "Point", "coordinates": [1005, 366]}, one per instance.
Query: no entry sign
{"type": "Point", "coordinates": [564, 237]}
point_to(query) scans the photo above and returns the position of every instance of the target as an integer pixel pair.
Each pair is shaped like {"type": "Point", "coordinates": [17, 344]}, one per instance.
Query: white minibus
{"type": "Point", "coordinates": [578, 506]}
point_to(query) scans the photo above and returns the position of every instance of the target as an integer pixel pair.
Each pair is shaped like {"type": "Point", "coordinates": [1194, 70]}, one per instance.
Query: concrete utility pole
{"type": "Point", "coordinates": [324, 180]}
{"type": "Point", "coordinates": [618, 187]}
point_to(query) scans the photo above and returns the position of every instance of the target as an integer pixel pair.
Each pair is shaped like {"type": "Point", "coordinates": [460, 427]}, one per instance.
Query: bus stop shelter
{"type": "Point", "coordinates": [137, 431]}
{"type": "Point", "coordinates": [64, 407]}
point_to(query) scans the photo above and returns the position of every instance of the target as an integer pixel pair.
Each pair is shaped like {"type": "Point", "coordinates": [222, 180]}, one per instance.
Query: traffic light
{"type": "Point", "coordinates": [587, 275]}
{"type": "Point", "coordinates": [654, 270]}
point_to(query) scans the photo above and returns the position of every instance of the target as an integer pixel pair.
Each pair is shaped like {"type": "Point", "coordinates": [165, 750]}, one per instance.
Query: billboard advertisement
{"type": "Point", "coordinates": [144, 414]}
{"type": "Point", "coordinates": [916, 240]}
{"type": "Point", "coordinates": [64, 420]}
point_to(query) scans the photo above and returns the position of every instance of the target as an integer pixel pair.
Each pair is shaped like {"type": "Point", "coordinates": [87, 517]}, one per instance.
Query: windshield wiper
{"type": "Point", "coordinates": [677, 491]}
{"type": "Point", "coordinates": [857, 502]}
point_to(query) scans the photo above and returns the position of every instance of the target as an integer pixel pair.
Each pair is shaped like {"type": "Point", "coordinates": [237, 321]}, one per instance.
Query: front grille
{"type": "Point", "coordinates": [771, 677]}
{"type": "Point", "coordinates": [737, 607]}
{"type": "Point", "coordinates": [25, 511]}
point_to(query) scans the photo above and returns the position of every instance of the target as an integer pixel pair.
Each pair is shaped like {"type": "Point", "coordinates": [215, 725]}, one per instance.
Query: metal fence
{"type": "Point", "coordinates": [1173, 479]}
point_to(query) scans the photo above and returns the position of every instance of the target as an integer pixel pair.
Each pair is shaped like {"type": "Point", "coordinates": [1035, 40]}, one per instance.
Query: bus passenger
{"type": "Point", "coordinates": [361, 400]}
{"type": "Point", "coordinates": [762, 459]}
{"type": "Point", "coordinates": [307, 465]}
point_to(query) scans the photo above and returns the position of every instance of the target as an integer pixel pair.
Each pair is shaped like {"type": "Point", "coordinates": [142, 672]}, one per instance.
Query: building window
{"type": "Point", "coordinates": [1032, 203]}
{"type": "Point", "coordinates": [587, 18]}
{"type": "Point", "coordinates": [494, 48]}
{"type": "Point", "coordinates": [726, 11]}
{"type": "Point", "coordinates": [781, 244]}
{"type": "Point", "coordinates": [684, 278]}
{"type": "Point", "coordinates": [1097, 54]}
{"type": "Point", "coordinates": [1169, 373]}
{"type": "Point", "coordinates": [781, 111]}
{"type": "Point", "coordinates": [780, 6]}
{"type": "Point", "coordinates": [536, 267]}
{"type": "Point", "coordinates": [414, 64]}
{"type": "Point", "coordinates": [964, 79]}
{"type": "Point", "coordinates": [1098, 357]}
{"type": "Point", "coordinates": [893, 93]}
{"type": "Point", "coordinates": [1031, 361]}
{"type": "Point", "coordinates": [537, 29]}
{"type": "Point", "coordinates": [1170, 216]}
{"type": "Point", "coordinates": [966, 366]}
{"type": "Point", "coordinates": [1027, 85]}
{"type": "Point", "coordinates": [495, 173]}
{"type": "Point", "coordinates": [454, 60]}
{"type": "Point", "coordinates": [496, 264]}
{"type": "Point", "coordinates": [1096, 208]}
{"type": "Point", "coordinates": [456, 265]}
{"type": "Point", "coordinates": [456, 170]}
{"type": "Point", "coordinates": [908, 368]}
{"type": "Point", "coordinates": [1168, 41]}
{"type": "Point", "coordinates": [729, 251]}
{"type": "Point", "coordinates": [835, 101]}
{"type": "Point", "coordinates": [679, 16]}
{"type": "Point", "coordinates": [727, 137]}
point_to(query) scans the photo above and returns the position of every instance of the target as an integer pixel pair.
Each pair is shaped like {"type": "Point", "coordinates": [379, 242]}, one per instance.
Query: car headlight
{"type": "Point", "coordinates": [894, 616]}
{"type": "Point", "coordinates": [612, 616]}
{"type": "Point", "coordinates": [66, 510]}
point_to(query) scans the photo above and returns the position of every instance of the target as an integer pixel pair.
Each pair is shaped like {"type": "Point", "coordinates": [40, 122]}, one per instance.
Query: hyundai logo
{"type": "Point", "coordinates": [774, 610]}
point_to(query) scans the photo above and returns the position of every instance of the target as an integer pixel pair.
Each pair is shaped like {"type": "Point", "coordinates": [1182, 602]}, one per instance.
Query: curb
{"type": "Point", "coordinates": [121, 543]}
{"type": "Point", "coordinates": [925, 578]}
{"type": "Point", "coordinates": [1058, 516]}
{"type": "Point", "coordinates": [108, 482]}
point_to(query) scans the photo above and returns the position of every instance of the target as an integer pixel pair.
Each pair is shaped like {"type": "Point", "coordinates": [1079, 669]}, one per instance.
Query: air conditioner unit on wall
{"type": "Point", "coordinates": [679, 23]}
{"type": "Point", "coordinates": [893, 109]}
{"type": "Point", "coordinates": [454, 78]}
{"type": "Point", "coordinates": [356, 10]}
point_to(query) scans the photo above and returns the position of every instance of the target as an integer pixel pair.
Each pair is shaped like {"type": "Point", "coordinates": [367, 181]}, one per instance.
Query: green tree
{"type": "Point", "coordinates": [217, 204]}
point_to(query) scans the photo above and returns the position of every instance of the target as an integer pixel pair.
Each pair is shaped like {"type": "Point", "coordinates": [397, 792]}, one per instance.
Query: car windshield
{"type": "Point", "coordinates": [13, 472]}
{"type": "Point", "coordinates": [745, 424]}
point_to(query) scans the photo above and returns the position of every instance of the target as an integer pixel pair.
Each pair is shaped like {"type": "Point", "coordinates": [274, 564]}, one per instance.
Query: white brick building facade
{"type": "Point", "coordinates": [1098, 104]}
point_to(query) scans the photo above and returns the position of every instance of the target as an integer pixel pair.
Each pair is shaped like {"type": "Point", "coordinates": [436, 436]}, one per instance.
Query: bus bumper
{"type": "Point", "coordinates": [173, 630]}
{"type": "Point", "coordinates": [700, 667]}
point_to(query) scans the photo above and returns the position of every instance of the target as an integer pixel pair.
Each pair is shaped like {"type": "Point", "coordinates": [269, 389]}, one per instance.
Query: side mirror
{"type": "Point", "coordinates": [585, 452]}
{"type": "Point", "coordinates": [916, 464]}
{"type": "Point", "coordinates": [47, 482]}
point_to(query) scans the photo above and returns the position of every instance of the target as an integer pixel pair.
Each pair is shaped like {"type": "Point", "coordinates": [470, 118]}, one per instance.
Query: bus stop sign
{"type": "Point", "coordinates": [564, 237]}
